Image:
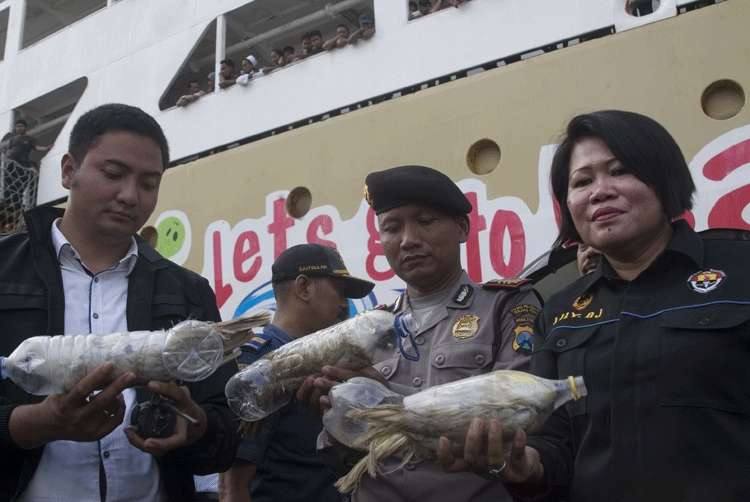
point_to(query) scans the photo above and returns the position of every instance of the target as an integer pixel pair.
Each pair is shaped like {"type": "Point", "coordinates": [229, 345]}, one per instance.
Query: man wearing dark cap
{"type": "Point", "coordinates": [464, 329]}
{"type": "Point", "coordinates": [277, 460]}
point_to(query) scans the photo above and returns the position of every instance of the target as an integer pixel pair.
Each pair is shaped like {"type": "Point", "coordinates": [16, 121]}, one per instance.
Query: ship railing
{"type": "Point", "coordinates": [18, 193]}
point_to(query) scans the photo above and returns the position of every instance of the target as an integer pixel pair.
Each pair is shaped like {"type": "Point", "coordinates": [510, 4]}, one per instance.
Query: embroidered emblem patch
{"type": "Point", "coordinates": [522, 341]}
{"type": "Point", "coordinates": [465, 327]}
{"type": "Point", "coordinates": [706, 281]}
{"type": "Point", "coordinates": [463, 294]}
{"type": "Point", "coordinates": [582, 302]}
{"type": "Point", "coordinates": [525, 313]}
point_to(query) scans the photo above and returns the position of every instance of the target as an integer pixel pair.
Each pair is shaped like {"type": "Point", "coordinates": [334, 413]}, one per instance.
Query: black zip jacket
{"type": "Point", "coordinates": [160, 294]}
{"type": "Point", "coordinates": [666, 361]}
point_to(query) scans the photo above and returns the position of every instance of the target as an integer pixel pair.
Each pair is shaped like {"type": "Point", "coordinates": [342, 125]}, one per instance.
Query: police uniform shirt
{"type": "Point", "coordinates": [666, 361]}
{"type": "Point", "coordinates": [283, 447]}
{"type": "Point", "coordinates": [474, 330]}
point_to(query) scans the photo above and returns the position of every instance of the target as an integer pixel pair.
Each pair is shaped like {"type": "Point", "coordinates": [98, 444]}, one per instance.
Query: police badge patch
{"type": "Point", "coordinates": [582, 302]}
{"type": "Point", "coordinates": [706, 281]}
{"type": "Point", "coordinates": [524, 316]}
{"type": "Point", "coordinates": [463, 294]}
{"type": "Point", "coordinates": [465, 327]}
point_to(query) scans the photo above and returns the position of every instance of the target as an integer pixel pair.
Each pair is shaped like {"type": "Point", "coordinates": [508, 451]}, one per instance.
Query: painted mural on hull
{"type": "Point", "coordinates": [505, 234]}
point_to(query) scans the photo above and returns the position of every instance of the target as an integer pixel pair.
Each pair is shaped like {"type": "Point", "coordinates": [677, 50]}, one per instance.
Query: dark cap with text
{"type": "Point", "coordinates": [314, 260]}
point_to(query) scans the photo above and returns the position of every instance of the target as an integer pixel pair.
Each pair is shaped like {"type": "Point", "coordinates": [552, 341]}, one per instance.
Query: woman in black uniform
{"type": "Point", "coordinates": [660, 331]}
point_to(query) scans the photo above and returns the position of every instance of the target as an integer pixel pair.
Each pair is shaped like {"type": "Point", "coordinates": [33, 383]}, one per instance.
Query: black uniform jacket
{"type": "Point", "coordinates": [282, 447]}
{"type": "Point", "coordinates": [666, 361]}
{"type": "Point", "coordinates": [160, 294]}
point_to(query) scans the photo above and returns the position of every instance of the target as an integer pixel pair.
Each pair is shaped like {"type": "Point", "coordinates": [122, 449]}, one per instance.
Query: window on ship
{"type": "Point", "coordinates": [265, 36]}
{"type": "Point", "coordinates": [45, 17]}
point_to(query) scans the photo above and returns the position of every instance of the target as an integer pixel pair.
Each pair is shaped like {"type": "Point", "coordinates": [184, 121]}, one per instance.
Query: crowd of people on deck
{"type": "Point", "coordinates": [311, 43]}
{"type": "Point", "coordinates": [657, 324]}
{"type": "Point", "coordinates": [422, 8]}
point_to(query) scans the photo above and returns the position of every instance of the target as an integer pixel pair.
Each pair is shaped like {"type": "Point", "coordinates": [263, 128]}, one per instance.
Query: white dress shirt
{"type": "Point", "coordinates": [70, 470]}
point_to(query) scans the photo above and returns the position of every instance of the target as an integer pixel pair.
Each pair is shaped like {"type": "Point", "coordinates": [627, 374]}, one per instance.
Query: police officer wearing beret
{"type": "Point", "coordinates": [277, 460]}
{"type": "Point", "coordinates": [464, 329]}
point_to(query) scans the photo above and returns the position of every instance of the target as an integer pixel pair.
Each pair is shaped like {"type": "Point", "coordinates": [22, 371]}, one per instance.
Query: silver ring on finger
{"type": "Point", "coordinates": [495, 471]}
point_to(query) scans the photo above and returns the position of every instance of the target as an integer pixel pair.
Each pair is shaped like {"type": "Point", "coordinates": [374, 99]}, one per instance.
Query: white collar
{"type": "Point", "coordinates": [61, 243]}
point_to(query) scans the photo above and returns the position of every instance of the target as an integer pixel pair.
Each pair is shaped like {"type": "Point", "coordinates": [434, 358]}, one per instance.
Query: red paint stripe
{"type": "Point", "coordinates": [727, 161]}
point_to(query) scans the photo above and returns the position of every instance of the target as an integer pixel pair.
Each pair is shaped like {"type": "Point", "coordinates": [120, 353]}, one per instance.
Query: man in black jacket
{"type": "Point", "coordinates": [85, 270]}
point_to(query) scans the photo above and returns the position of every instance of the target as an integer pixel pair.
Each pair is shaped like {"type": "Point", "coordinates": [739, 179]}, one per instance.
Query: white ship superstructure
{"type": "Point", "coordinates": [63, 57]}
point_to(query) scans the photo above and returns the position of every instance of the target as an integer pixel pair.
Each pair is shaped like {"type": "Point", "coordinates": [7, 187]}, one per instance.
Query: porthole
{"type": "Point", "coordinates": [483, 156]}
{"type": "Point", "coordinates": [723, 99]}
{"type": "Point", "coordinates": [299, 202]}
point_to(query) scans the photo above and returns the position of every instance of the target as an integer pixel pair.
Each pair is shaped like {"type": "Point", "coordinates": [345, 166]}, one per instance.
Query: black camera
{"type": "Point", "coordinates": [155, 418]}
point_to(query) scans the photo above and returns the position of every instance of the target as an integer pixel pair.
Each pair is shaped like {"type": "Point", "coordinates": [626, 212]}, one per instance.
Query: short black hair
{"type": "Point", "coordinates": [342, 25]}
{"type": "Point", "coordinates": [288, 48]}
{"type": "Point", "coordinates": [227, 62]}
{"type": "Point", "coordinates": [281, 290]}
{"type": "Point", "coordinates": [316, 33]}
{"type": "Point", "coordinates": [193, 81]}
{"type": "Point", "coordinates": [22, 122]}
{"type": "Point", "coordinates": [642, 145]}
{"type": "Point", "coordinates": [111, 118]}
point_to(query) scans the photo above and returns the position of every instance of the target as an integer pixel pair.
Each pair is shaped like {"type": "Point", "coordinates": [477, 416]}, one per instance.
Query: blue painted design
{"type": "Point", "coordinates": [263, 294]}
{"type": "Point", "coordinates": [357, 305]}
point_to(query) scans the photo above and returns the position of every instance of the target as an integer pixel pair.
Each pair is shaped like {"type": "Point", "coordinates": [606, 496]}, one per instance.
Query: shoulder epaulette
{"type": "Point", "coordinates": [505, 283]}
{"type": "Point", "coordinates": [257, 342]}
{"type": "Point", "coordinates": [253, 349]}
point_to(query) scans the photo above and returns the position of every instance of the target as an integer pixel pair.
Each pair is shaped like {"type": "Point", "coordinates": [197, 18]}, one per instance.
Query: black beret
{"type": "Point", "coordinates": [398, 186]}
